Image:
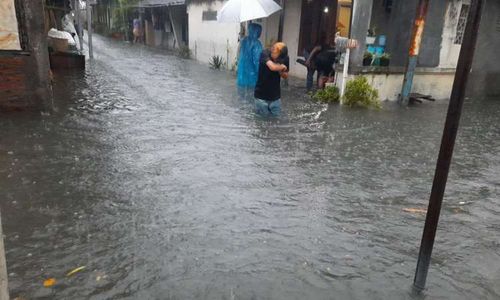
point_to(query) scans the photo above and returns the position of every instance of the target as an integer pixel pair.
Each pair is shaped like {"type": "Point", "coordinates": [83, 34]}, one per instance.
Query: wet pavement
{"type": "Point", "coordinates": [156, 175]}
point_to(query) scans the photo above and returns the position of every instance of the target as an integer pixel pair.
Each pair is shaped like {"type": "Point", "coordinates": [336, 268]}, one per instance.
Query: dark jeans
{"type": "Point", "coordinates": [310, 71]}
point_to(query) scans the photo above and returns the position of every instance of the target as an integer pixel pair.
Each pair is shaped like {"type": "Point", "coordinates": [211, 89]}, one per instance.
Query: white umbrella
{"type": "Point", "coordinates": [237, 11]}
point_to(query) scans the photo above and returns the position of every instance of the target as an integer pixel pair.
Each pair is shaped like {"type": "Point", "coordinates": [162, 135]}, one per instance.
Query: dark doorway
{"type": "Point", "coordinates": [317, 17]}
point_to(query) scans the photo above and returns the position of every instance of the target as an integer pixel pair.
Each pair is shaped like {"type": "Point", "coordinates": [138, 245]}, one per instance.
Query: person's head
{"type": "Point", "coordinates": [279, 51]}
{"type": "Point", "coordinates": [254, 30]}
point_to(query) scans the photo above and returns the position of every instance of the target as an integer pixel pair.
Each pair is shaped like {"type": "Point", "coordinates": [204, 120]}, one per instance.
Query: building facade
{"type": "Point", "coordinates": [388, 21]}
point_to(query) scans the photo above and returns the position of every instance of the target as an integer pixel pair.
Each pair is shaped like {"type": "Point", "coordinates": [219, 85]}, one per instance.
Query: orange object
{"type": "Point", "coordinates": [49, 282]}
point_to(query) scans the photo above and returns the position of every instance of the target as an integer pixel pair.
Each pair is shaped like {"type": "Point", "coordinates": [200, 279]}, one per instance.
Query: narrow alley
{"type": "Point", "coordinates": [156, 175]}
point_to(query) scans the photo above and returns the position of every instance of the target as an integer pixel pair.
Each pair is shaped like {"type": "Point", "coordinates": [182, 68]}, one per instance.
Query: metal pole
{"type": "Point", "coordinates": [448, 143]}
{"type": "Point", "coordinates": [89, 29]}
{"type": "Point", "coordinates": [416, 39]}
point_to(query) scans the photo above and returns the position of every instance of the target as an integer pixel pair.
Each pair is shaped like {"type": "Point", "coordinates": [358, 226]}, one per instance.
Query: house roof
{"type": "Point", "coordinates": [158, 3]}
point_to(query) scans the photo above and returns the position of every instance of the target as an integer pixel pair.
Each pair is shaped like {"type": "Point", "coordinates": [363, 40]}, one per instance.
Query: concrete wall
{"type": "Point", "coordinates": [208, 38]}
{"type": "Point", "coordinates": [399, 27]}
{"type": "Point", "coordinates": [485, 77]}
{"type": "Point", "coordinates": [291, 35]}
{"type": "Point", "coordinates": [435, 83]}
{"type": "Point", "coordinates": [24, 75]}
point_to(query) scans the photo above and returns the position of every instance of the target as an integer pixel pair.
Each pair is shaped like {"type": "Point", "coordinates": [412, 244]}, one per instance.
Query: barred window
{"type": "Point", "coordinates": [462, 22]}
{"type": "Point", "coordinates": [209, 15]}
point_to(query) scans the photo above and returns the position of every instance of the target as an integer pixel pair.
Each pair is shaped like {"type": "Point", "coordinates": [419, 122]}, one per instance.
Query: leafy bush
{"type": "Point", "coordinates": [184, 52]}
{"type": "Point", "coordinates": [359, 92]}
{"type": "Point", "coordinates": [216, 62]}
{"type": "Point", "coordinates": [330, 94]}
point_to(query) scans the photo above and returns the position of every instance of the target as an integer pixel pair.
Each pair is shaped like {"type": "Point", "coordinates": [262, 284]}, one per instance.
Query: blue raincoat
{"type": "Point", "coordinates": [250, 51]}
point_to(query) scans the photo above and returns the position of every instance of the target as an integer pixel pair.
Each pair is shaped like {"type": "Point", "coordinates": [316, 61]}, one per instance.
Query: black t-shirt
{"type": "Point", "coordinates": [325, 59]}
{"type": "Point", "coordinates": [268, 83]}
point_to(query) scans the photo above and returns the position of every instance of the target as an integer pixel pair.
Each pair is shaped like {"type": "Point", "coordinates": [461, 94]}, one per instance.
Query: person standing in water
{"type": "Point", "coordinates": [137, 29]}
{"type": "Point", "coordinates": [250, 51]}
{"type": "Point", "coordinates": [274, 65]}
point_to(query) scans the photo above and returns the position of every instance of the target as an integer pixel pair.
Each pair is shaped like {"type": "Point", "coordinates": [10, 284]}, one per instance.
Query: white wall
{"type": "Point", "coordinates": [450, 50]}
{"type": "Point", "coordinates": [291, 31]}
{"type": "Point", "coordinates": [9, 37]}
{"type": "Point", "coordinates": [208, 38]}
{"type": "Point", "coordinates": [436, 84]}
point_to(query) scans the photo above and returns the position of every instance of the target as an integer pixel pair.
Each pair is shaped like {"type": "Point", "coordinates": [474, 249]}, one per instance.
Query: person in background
{"type": "Point", "coordinates": [249, 55]}
{"type": "Point", "coordinates": [324, 56]}
{"type": "Point", "coordinates": [137, 29]}
{"type": "Point", "coordinates": [274, 65]}
{"type": "Point", "coordinates": [310, 60]}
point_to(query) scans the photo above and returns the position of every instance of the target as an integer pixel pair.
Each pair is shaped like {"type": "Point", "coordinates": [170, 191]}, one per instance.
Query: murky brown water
{"type": "Point", "coordinates": [156, 175]}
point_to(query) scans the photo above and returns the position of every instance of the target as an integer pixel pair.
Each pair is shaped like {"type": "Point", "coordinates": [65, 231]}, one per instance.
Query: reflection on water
{"type": "Point", "coordinates": [156, 175]}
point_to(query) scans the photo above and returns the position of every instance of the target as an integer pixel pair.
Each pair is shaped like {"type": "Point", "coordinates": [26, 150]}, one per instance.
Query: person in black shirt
{"type": "Point", "coordinates": [273, 66]}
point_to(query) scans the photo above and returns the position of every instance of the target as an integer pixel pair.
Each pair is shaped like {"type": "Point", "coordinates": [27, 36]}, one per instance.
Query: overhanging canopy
{"type": "Point", "coordinates": [159, 3]}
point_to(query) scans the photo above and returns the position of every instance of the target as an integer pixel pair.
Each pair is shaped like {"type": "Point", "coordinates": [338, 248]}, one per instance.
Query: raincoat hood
{"type": "Point", "coordinates": [254, 31]}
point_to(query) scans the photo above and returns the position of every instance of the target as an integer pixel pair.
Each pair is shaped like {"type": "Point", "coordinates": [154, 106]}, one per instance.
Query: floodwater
{"type": "Point", "coordinates": [155, 174]}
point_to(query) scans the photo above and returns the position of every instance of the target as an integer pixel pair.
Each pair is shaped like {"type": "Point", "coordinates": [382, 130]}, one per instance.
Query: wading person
{"type": "Point", "coordinates": [274, 65]}
{"type": "Point", "coordinates": [250, 51]}
{"type": "Point", "coordinates": [137, 29]}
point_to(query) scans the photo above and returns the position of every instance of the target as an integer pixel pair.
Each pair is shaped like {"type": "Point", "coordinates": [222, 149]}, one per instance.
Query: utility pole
{"type": "Point", "coordinates": [416, 40]}
{"type": "Point", "coordinates": [448, 143]}
{"type": "Point", "coordinates": [89, 26]}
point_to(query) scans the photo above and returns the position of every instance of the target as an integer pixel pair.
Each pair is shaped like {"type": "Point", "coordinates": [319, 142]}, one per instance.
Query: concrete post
{"type": "Point", "coordinates": [416, 40]}
{"type": "Point", "coordinates": [361, 19]}
{"type": "Point", "coordinates": [38, 46]}
{"type": "Point", "coordinates": [89, 29]}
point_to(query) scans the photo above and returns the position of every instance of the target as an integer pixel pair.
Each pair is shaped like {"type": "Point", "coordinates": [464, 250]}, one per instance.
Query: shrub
{"type": "Point", "coordinates": [359, 92]}
{"type": "Point", "coordinates": [184, 52]}
{"type": "Point", "coordinates": [216, 62]}
{"type": "Point", "coordinates": [329, 94]}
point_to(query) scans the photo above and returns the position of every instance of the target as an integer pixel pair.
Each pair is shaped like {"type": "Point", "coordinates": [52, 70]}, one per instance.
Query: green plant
{"type": "Point", "coordinates": [184, 52]}
{"type": "Point", "coordinates": [359, 92]}
{"type": "Point", "coordinates": [368, 55]}
{"type": "Point", "coordinates": [385, 56]}
{"type": "Point", "coordinates": [330, 94]}
{"type": "Point", "coordinates": [216, 62]}
{"type": "Point", "coordinates": [372, 31]}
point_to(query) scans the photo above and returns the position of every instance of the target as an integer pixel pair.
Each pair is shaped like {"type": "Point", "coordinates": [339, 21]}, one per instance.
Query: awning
{"type": "Point", "coordinates": [159, 3]}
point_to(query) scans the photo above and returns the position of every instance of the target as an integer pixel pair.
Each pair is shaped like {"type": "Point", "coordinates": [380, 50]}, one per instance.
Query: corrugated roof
{"type": "Point", "coordinates": [158, 3]}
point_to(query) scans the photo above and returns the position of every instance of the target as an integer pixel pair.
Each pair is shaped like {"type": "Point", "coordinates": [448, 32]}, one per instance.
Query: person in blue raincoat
{"type": "Point", "coordinates": [250, 50]}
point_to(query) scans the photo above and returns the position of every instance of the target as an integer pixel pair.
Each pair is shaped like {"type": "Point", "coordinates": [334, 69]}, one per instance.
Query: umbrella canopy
{"type": "Point", "coordinates": [236, 11]}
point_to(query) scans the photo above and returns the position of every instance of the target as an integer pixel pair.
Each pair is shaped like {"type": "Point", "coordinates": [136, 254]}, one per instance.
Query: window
{"type": "Point", "coordinates": [9, 31]}
{"type": "Point", "coordinates": [209, 15]}
{"type": "Point", "coordinates": [462, 22]}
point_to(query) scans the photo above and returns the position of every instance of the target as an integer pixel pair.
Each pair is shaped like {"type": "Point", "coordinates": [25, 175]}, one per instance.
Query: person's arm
{"type": "Point", "coordinates": [312, 55]}
{"type": "Point", "coordinates": [276, 67]}
{"type": "Point", "coordinates": [286, 62]}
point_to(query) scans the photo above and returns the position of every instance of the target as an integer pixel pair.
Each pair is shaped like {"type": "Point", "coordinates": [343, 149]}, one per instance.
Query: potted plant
{"type": "Point", "coordinates": [367, 58]}
{"type": "Point", "coordinates": [359, 92]}
{"type": "Point", "coordinates": [371, 37]}
{"type": "Point", "coordinates": [385, 60]}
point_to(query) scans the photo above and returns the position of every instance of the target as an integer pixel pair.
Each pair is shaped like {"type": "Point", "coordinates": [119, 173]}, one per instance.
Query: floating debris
{"type": "Point", "coordinates": [49, 282]}
{"type": "Point", "coordinates": [415, 210]}
{"type": "Point", "coordinates": [72, 272]}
